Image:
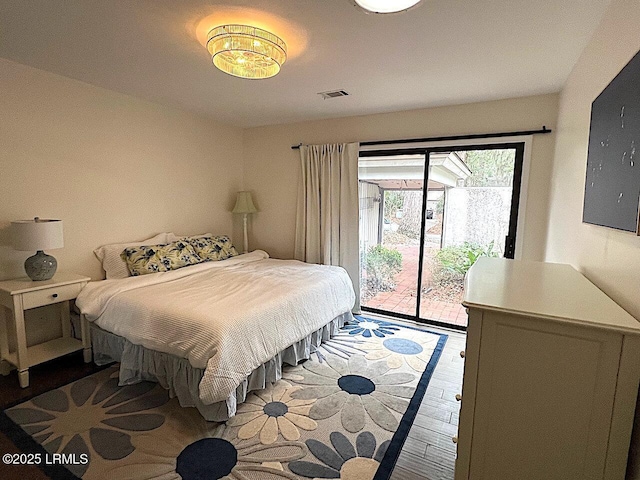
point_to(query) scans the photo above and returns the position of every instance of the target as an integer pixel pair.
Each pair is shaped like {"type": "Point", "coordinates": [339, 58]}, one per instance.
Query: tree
{"type": "Point", "coordinates": [410, 222]}
{"type": "Point", "coordinates": [490, 168]}
{"type": "Point", "coordinates": [393, 201]}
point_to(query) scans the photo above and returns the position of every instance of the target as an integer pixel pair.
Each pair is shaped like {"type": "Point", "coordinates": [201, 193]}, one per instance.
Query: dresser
{"type": "Point", "coordinates": [551, 375]}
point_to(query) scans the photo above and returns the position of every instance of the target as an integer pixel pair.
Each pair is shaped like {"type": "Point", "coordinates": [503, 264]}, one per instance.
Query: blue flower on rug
{"type": "Point", "coordinates": [355, 389]}
{"type": "Point", "coordinates": [351, 338]}
{"type": "Point", "coordinates": [216, 458]}
{"type": "Point", "coordinates": [69, 419]}
{"type": "Point", "coordinates": [369, 326]}
{"type": "Point", "coordinates": [415, 352]}
{"type": "Point", "coordinates": [344, 460]}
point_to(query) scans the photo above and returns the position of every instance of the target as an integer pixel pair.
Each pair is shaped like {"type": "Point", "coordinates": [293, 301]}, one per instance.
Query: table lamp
{"type": "Point", "coordinates": [245, 206]}
{"type": "Point", "coordinates": [38, 234]}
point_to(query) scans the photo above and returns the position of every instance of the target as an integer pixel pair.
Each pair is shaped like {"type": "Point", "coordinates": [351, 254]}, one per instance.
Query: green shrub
{"type": "Point", "coordinates": [451, 263]}
{"type": "Point", "coordinates": [381, 265]}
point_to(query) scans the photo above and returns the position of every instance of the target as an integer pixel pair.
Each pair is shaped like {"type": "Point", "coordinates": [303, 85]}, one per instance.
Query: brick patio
{"type": "Point", "coordinates": [403, 298]}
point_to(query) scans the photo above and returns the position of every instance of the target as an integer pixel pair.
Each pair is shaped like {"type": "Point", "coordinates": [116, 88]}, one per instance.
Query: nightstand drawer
{"type": "Point", "coordinates": [47, 296]}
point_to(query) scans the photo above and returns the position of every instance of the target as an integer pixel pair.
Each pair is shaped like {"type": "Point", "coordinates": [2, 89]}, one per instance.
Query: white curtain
{"type": "Point", "coordinates": [327, 217]}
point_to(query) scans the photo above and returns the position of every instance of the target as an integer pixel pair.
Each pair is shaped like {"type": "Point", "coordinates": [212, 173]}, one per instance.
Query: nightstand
{"type": "Point", "coordinates": [23, 294]}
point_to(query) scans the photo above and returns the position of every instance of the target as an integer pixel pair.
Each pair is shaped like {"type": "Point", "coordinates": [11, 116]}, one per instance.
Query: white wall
{"type": "Point", "coordinates": [112, 167]}
{"type": "Point", "coordinates": [609, 258]}
{"type": "Point", "coordinates": [115, 168]}
{"type": "Point", "coordinates": [272, 168]}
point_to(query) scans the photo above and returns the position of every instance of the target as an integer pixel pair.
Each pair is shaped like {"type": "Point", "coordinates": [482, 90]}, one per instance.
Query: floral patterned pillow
{"type": "Point", "coordinates": [159, 258]}
{"type": "Point", "coordinates": [213, 248]}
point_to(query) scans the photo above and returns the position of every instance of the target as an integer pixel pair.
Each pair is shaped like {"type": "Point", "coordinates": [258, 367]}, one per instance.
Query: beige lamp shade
{"type": "Point", "coordinates": [244, 203]}
{"type": "Point", "coordinates": [36, 234]}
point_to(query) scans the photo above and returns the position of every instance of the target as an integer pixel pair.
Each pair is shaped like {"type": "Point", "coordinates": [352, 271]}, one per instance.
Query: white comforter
{"type": "Point", "coordinates": [228, 317]}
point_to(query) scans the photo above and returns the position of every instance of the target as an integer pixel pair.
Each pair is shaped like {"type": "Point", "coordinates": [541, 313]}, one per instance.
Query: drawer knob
{"type": "Point", "coordinates": [458, 397]}
{"type": "Point", "coordinates": [55, 295]}
{"type": "Point", "coordinates": [454, 439]}
{"type": "Point", "coordinates": [462, 354]}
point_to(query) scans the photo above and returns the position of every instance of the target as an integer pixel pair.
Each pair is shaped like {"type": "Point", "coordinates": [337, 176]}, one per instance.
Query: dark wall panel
{"type": "Point", "coordinates": [612, 188]}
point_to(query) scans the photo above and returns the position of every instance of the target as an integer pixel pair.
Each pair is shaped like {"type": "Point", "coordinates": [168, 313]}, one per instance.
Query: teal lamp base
{"type": "Point", "coordinates": [40, 266]}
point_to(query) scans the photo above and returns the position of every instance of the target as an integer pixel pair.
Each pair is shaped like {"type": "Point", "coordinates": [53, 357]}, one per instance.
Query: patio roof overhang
{"type": "Point", "coordinates": [408, 170]}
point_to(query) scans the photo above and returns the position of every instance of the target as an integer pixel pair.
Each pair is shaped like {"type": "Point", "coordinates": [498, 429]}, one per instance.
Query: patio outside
{"type": "Point", "coordinates": [467, 216]}
{"type": "Point", "coordinates": [443, 308]}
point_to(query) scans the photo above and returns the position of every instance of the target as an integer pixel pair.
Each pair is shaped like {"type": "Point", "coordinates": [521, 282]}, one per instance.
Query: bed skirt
{"type": "Point", "coordinates": [138, 364]}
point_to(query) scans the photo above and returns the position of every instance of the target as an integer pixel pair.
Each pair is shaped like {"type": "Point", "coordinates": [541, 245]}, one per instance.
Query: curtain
{"type": "Point", "coordinates": [327, 215]}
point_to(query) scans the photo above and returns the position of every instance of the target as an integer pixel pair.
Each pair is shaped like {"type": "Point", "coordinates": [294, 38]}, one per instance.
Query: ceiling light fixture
{"type": "Point", "coordinates": [245, 51]}
{"type": "Point", "coordinates": [386, 6]}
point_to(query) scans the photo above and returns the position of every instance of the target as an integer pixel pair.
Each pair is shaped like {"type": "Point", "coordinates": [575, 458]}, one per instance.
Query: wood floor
{"type": "Point", "coordinates": [429, 451]}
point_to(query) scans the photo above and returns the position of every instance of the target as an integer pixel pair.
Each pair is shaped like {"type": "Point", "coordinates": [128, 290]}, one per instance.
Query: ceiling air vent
{"type": "Point", "coordinates": [333, 94]}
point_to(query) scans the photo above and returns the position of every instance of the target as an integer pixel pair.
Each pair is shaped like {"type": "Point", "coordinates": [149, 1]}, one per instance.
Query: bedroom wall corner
{"type": "Point", "coordinates": [609, 258]}
{"type": "Point", "coordinates": [112, 167]}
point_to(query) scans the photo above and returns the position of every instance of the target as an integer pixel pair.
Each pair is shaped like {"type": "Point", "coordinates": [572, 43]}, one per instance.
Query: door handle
{"type": "Point", "coordinates": [509, 246]}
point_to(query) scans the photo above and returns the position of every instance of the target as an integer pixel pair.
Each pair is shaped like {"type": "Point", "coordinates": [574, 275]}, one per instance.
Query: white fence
{"type": "Point", "coordinates": [477, 215]}
{"type": "Point", "coordinates": [369, 195]}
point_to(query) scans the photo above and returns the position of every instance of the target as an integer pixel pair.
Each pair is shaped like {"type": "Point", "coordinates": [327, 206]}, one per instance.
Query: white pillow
{"type": "Point", "coordinates": [174, 238]}
{"type": "Point", "coordinates": [112, 263]}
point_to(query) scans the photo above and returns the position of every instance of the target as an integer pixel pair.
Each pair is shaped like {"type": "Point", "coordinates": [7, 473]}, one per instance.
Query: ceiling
{"type": "Point", "coordinates": [444, 52]}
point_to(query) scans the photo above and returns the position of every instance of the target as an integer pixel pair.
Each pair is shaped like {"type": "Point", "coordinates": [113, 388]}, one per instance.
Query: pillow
{"type": "Point", "coordinates": [159, 258]}
{"type": "Point", "coordinates": [173, 237]}
{"type": "Point", "coordinates": [113, 264]}
{"type": "Point", "coordinates": [213, 248]}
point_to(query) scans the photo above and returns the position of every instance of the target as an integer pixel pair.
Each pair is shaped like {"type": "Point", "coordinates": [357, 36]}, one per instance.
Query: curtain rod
{"type": "Point", "coordinates": [452, 137]}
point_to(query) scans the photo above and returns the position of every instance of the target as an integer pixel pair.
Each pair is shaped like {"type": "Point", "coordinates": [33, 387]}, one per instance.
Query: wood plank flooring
{"type": "Point", "coordinates": [429, 452]}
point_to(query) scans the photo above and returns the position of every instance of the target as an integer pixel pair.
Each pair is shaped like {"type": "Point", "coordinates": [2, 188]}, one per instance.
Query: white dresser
{"type": "Point", "coordinates": [551, 376]}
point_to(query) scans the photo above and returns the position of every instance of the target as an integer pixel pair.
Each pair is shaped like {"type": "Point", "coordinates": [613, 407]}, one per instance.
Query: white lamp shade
{"type": "Point", "coordinates": [244, 203]}
{"type": "Point", "coordinates": [40, 234]}
{"type": "Point", "coordinates": [386, 6]}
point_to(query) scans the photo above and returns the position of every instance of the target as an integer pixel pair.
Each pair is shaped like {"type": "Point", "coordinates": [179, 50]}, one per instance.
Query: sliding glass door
{"type": "Point", "coordinates": [425, 217]}
{"type": "Point", "coordinates": [391, 198]}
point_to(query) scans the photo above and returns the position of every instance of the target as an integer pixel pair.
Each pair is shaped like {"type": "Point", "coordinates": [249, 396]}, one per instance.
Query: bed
{"type": "Point", "coordinates": [212, 332]}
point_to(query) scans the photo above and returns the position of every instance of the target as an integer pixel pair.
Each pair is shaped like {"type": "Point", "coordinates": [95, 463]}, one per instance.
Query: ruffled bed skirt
{"type": "Point", "coordinates": [176, 374]}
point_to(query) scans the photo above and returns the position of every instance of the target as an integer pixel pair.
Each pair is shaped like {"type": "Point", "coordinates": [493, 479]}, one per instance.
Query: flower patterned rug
{"type": "Point", "coordinates": [345, 413]}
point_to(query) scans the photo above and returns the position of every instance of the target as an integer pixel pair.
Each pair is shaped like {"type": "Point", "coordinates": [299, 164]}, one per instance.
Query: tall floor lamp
{"type": "Point", "coordinates": [245, 206]}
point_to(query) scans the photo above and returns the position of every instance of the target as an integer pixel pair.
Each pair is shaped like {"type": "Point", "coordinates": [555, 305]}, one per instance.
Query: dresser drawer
{"type": "Point", "coordinates": [47, 296]}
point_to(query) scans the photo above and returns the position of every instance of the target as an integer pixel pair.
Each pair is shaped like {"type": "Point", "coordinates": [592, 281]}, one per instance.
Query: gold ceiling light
{"type": "Point", "coordinates": [245, 51]}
